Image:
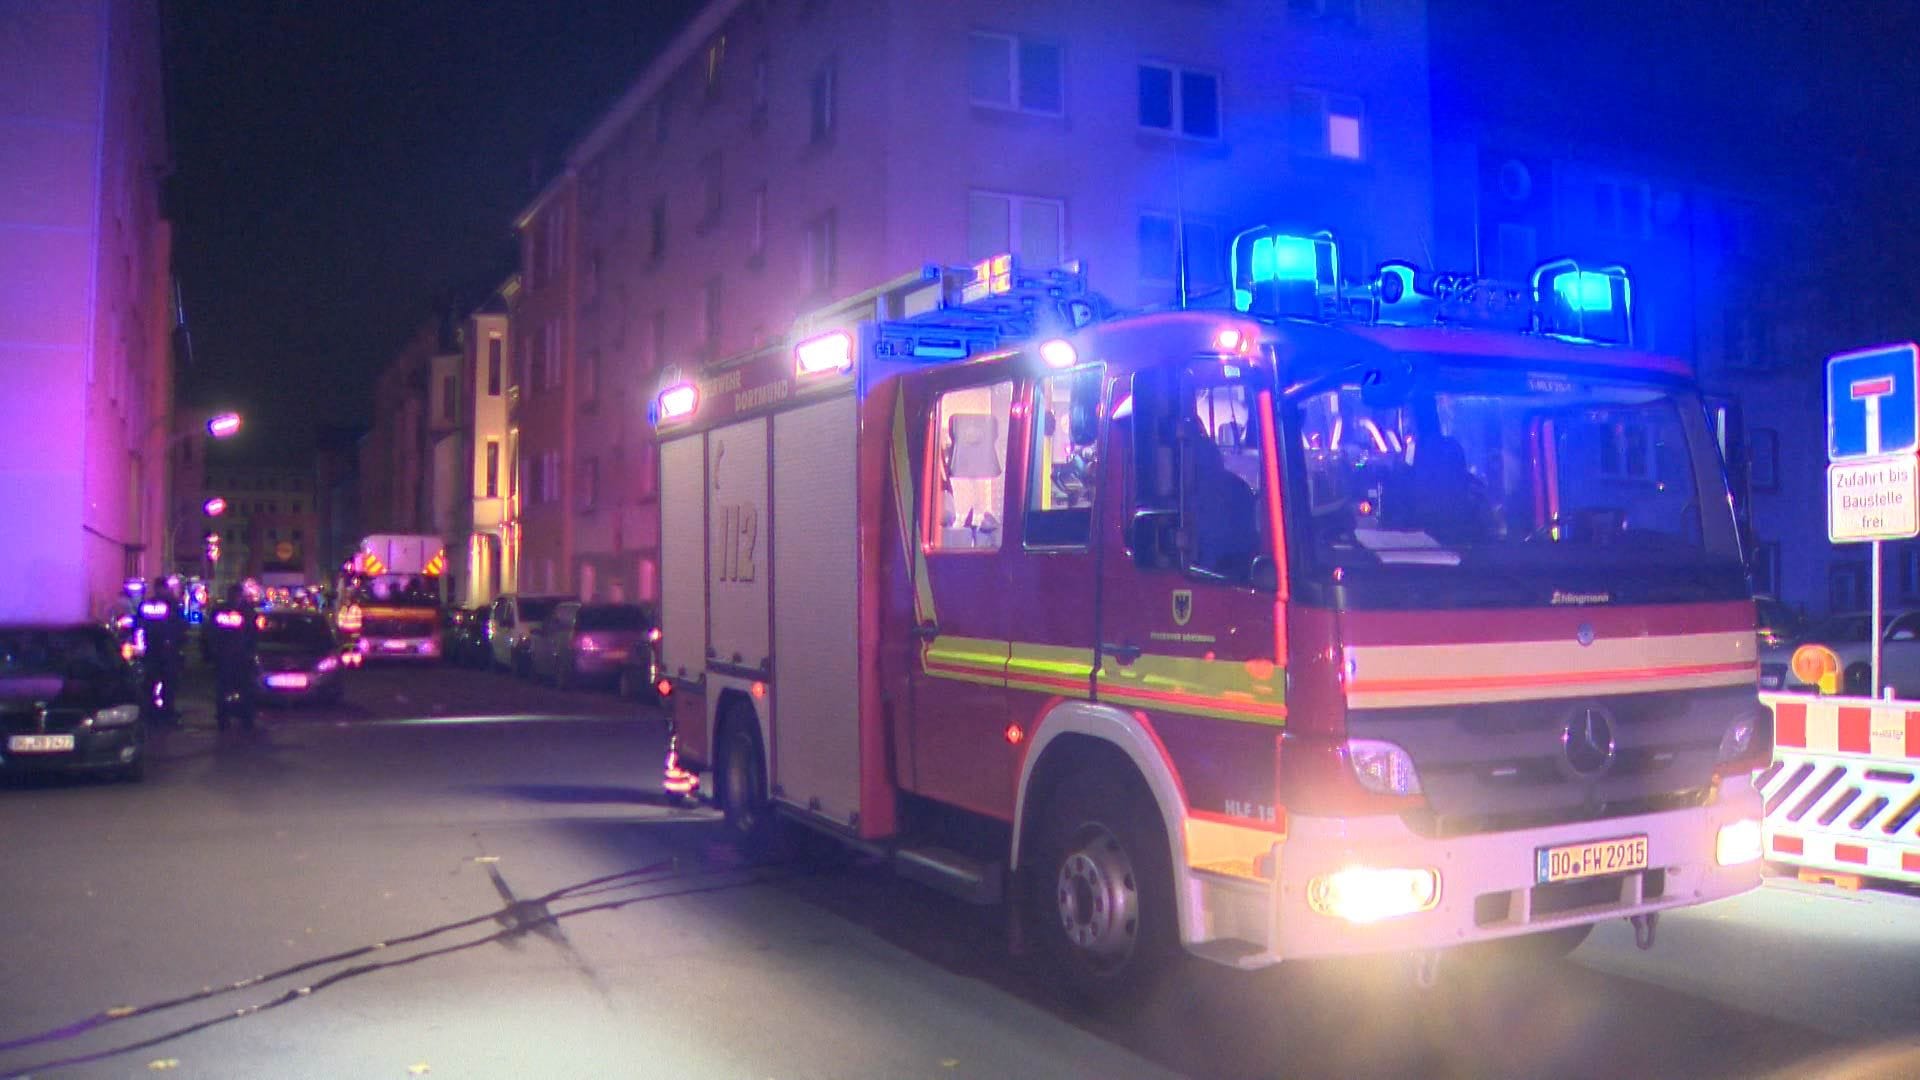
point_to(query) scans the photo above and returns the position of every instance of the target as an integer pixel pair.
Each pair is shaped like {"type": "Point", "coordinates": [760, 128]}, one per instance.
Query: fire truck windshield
{"type": "Point", "coordinates": [1489, 486]}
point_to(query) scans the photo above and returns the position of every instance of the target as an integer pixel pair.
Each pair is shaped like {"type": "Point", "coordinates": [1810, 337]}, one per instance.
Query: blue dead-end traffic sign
{"type": "Point", "coordinates": [1873, 402]}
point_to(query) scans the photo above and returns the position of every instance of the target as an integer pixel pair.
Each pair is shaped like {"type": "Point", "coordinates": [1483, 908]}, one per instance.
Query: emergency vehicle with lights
{"type": "Point", "coordinates": [389, 598]}
{"type": "Point", "coordinates": [1338, 618]}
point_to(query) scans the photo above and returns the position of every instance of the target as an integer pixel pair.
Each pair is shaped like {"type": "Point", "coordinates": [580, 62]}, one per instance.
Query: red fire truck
{"type": "Point", "coordinates": [1332, 619]}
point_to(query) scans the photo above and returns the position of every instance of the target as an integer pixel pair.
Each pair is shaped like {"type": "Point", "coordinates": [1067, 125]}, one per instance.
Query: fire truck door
{"type": "Point", "coordinates": [959, 684]}
{"type": "Point", "coordinates": [1060, 490]}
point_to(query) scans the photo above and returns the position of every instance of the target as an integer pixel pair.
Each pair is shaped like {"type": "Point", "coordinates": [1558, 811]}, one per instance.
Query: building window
{"type": "Point", "coordinates": [552, 335]}
{"type": "Point", "coordinates": [1033, 229]}
{"type": "Point", "coordinates": [821, 256]}
{"type": "Point", "coordinates": [1328, 125]}
{"type": "Point", "coordinates": [1179, 102]}
{"type": "Point", "coordinates": [296, 508]}
{"type": "Point", "coordinates": [590, 483]}
{"type": "Point", "coordinates": [821, 106]}
{"type": "Point", "coordinates": [1006, 72]}
{"type": "Point", "coordinates": [590, 375]}
{"type": "Point", "coordinates": [550, 476]}
{"type": "Point", "coordinates": [662, 110]}
{"type": "Point", "coordinates": [494, 349]}
{"type": "Point", "coordinates": [450, 398]}
{"type": "Point", "coordinates": [710, 316]}
{"type": "Point", "coordinates": [1161, 237]}
{"type": "Point", "coordinates": [657, 338]}
{"type": "Point", "coordinates": [657, 229]}
{"type": "Point", "coordinates": [758, 241]}
{"type": "Point", "coordinates": [710, 189]}
{"type": "Point", "coordinates": [971, 495]}
{"type": "Point", "coordinates": [556, 240]}
{"type": "Point", "coordinates": [537, 366]}
{"type": "Point", "coordinates": [299, 534]}
{"type": "Point", "coordinates": [493, 469]}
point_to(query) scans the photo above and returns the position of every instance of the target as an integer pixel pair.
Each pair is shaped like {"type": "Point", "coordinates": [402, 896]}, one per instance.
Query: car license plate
{"type": "Point", "coordinates": [1769, 682]}
{"type": "Point", "coordinates": [396, 646]}
{"type": "Point", "coordinates": [1596, 858]}
{"type": "Point", "coordinates": [292, 680]}
{"type": "Point", "coordinates": [39, 744]}
{"type": "Point", "coordinates": [615, 654]}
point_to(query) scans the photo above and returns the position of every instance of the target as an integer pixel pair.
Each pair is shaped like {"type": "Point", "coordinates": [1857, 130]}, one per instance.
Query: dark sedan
{"type": "Point", "coordinates": [590, 642]}
{"type": "Point", "coordinates": [68, 703]}
{"type": "Point", "coordinates": [299, 658]}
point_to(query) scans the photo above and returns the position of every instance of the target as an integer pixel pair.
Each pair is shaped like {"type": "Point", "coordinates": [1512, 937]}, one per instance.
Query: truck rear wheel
{"type": "Point", "coordinates": [1101, 892]}
{"type": "Point", "coordinates": [743, 785]}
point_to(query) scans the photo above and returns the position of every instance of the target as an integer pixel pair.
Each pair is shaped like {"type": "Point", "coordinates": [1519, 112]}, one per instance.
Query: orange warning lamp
{"type": "Point", "coordinates": [1817, 665]}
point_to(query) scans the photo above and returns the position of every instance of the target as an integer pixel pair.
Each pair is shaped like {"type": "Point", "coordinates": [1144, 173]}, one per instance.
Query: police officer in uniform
{"type": "Point", "coordinates": [162, 630]}
{"type": "Point", "coordinates": [234, 641]}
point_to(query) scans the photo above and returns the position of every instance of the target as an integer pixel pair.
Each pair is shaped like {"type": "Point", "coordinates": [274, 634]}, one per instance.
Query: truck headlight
{"type": "Point", "coordinates": [1367, 894]}
{"type": "Point", "coordinates": [1382, 767]}
{"type": "Point", "coordinates": [117, 716]}
{"type": "Point", "coordinates": [1737, 843]}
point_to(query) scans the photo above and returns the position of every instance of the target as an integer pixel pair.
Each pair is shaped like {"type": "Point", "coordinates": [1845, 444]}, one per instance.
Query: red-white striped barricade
{"type": "Point", "coordinates": [1843, 792]}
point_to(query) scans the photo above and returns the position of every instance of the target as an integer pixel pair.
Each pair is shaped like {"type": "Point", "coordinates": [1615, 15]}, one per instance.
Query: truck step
{"type": "Point", "coordinates": [959, 875]}
{"type": "Point", "coordinates": [1850, 882]}
{"type": "Point", "coordinates": [1233, 952]}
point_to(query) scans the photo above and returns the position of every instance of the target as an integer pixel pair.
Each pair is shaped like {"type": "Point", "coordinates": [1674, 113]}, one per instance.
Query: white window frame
{"type": "Point", "coordinates": [1178, 110]}
{"type": "Point", "coordinates": [1014, 202]}
{"type": "Point", "coordinates": [1012, 42]}
{"type": "Point", "coordinates": [1330, 104]}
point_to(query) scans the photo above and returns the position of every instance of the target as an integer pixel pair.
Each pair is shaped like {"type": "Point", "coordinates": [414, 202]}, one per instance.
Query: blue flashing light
{"type": "Point", "coordinates": [1284, 258]}
{"type": "Point", "coordinates": [1585, 291]}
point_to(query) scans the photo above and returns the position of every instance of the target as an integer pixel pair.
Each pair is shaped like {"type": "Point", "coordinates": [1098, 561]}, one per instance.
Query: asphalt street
{"type": "Point", "coordinates": [459, 874]}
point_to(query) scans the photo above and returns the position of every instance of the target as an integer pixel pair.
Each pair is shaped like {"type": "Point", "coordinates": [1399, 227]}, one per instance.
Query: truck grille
{"type": "Point", "coordinates": [1500, 766]}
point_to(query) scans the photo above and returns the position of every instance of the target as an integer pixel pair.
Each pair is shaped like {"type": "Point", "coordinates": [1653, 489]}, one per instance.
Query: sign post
{"type": "Point", "coordinates": [1873, 455]}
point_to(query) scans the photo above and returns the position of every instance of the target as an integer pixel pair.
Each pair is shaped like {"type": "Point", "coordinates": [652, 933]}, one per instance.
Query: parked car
{"type": "Point", "coordinates": [463, 637]}
{"type": "Point", "coordinates": [69, 702]}
{"type": "Point", "coordinates": [1848, 635]}
{"type": "Point", "coordinates": [299, 659]}
{"type": "Point", "coordinates": [589, 642]}
{"type": "Point", "coordinates": [640, 671]}
{"type": "Point", "coordinates": [510, 625]}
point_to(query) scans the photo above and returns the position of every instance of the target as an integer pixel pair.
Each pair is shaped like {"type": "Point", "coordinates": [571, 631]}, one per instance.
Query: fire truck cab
{"type": "Point", "coordinates": [1333, 619]}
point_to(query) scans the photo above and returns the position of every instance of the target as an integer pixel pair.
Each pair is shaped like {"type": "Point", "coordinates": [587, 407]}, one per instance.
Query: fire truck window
{"type": "Point", "coordinates": [1223, 484]}
{"type": "Point", "coordinates": [1066, 410]}
{"type": "Point", "coordinates": [972, 454]}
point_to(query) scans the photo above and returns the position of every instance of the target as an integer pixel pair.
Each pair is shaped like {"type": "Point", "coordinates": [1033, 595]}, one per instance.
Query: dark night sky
{"type": "Point", "coordinates": [340, 166]}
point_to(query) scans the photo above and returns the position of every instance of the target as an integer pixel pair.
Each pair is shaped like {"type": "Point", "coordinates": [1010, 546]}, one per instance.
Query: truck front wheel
{"type": "Point", "coordinates": [743, 786]}
{"type": "Point", "coordinates": [1102, 890]}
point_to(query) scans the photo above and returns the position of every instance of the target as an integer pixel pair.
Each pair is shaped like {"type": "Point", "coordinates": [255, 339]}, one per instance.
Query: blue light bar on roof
{"type": "Point", "coordinates": [1283, 273]}
{"type": "Point", "coordinates": [1593, 304]}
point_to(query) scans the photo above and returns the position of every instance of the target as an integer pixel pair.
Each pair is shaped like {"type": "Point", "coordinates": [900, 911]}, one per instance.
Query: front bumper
{"type": "Point", "coordinates": [94, 750]}
{"type": "Point", "coordinates": [1487, 883]}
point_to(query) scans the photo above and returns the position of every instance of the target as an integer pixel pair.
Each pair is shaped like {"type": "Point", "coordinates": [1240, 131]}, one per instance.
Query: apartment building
{"type": "Point", "coordinates": [86, 312]}
{"type": "Point", "coordinates": [482, 551]}
{"type": "Point", "coordinates": [779, 156]}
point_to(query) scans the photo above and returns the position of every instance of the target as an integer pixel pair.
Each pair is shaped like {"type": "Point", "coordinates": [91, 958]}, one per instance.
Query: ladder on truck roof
{"type": "Point", "coordinates": [970, 310]}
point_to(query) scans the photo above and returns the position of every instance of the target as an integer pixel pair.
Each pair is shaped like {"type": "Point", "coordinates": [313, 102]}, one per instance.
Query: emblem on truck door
{"type": "Point", "coordinates": [1182, 606]}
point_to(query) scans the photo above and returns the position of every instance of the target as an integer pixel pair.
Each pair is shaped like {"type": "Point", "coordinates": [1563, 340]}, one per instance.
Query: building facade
{"type": "Point", "coordinates": [85, 312]}
{"type": "Point", "coordinates": [482, 551]}
{"type": "Point", "coordinates": [270, 530]}
{"type": "Point", "coordinates": [777, 158]}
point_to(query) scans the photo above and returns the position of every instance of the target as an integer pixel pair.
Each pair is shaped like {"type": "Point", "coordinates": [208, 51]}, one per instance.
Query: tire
{"type": "Point", "coordinates": [135, 772]}
{"type": "Point", "coordinates": [1100, 896]}
{"type": "Point", "coordinates": [742, 781]}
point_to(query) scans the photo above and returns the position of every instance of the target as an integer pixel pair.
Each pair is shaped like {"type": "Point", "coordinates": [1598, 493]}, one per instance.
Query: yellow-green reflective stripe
{"type": "Point", "coordinates": [907, 507]}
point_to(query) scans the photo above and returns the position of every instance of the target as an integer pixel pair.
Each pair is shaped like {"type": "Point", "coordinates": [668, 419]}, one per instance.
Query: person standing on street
{"type": "Point", "coordinates": [234, 637]}
{"type": "Point", "coordinates": [163, 632]}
